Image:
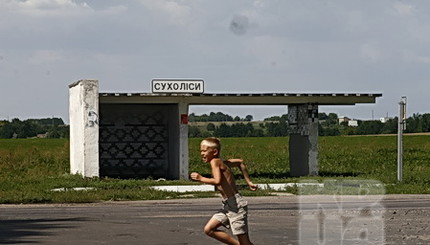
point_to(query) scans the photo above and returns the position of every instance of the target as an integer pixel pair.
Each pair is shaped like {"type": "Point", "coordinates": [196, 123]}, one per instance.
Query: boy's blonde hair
{"type": "Point", "coordinates": [212, 142]}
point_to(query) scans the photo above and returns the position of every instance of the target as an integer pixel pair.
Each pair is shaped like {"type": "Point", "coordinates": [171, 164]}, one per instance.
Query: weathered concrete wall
{"type": "Point", "coordinates": [303, 145]}
{"type": "Point", "coordinates": [84, 128]}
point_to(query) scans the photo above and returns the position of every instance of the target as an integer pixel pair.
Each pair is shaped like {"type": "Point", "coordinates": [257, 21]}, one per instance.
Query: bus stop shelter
{"type": "Point", "coordinates": [140, 135]}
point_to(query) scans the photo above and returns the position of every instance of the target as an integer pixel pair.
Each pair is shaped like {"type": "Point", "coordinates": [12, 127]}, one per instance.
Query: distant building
{"type": "Point", "coordinates": [385, 119]}
{"type": "Point", "coordinates": [351, 122]}
{"type": "Point", "coordinates": [343, 119]}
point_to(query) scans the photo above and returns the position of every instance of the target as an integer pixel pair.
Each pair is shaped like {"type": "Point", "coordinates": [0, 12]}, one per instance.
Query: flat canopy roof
{"type": "Point", "coordinates": [241, 99]}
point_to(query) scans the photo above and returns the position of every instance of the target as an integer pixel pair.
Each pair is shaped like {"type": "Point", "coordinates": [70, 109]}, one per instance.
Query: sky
{"type": "Point", "coordinates": [235, 46]}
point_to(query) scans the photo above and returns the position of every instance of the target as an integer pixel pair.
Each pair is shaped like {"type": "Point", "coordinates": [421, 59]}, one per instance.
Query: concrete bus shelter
{"type": "Point", "coordinates": [139, 135]}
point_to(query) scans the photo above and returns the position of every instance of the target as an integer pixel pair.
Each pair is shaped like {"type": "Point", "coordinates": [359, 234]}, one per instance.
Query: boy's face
{"type": "Point", "coordinates": [207, 153]}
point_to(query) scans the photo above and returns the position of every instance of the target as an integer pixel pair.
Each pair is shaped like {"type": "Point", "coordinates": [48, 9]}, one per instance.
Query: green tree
{"type": "Point", "coordinates": [7, 131]}
{"type": "Point", "coordinates": [414, 124]}
{"type": "Point", "coordinates": [277, 129]}
{"type": "Point", "coordinates": [249, 118]}
{"type": "Point", "coordinates": [348, 130]}
{"type": "Point", "coordinates": [210, 127]}
{"type": "Point", "coordinates": [331, 130]}
{"type": "Point", "coordinates": [284, 117]}
{"type": "Point", "coordinates": [26, 129]}
{"type": "Point", "coordinates": [194, 132]}
{"type": "Point", "coordinates": [203, 118]}
{"type": "Point", "coordinates": [426, 122]}
{"type": "Point", "coordinates": [258, 133]}
{"type": "Point", "coordinates": [322, 116]}
{"type": "Point", "coordinates": [274, 118]}
{"type": "Point", "coordinates": [223, 131]}
{"type": "Point", "coordinates": [192, 117]}
{"type": "Point", "coordinates": [58, 132]}
{"type": "Point", "coordinates": [369, 127]}
{"type": "Point", "coordinates": [332, 119]}
{"type": "Point", "coordinates": [390, 126]}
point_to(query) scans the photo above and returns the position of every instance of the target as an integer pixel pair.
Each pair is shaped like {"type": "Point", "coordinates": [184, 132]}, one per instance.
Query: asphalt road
{"type": "Point", "coordinates": [399, 219]}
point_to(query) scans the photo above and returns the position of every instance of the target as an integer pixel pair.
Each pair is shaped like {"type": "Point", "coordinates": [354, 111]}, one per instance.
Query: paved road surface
{"type": "Point", "coordinates": [273, 220]}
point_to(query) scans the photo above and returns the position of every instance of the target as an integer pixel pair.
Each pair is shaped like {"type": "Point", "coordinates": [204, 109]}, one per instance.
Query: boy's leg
{"type": "Point", "coordinates": [244, 239]}
{"type": "Point", "coordinates": [211, 229]}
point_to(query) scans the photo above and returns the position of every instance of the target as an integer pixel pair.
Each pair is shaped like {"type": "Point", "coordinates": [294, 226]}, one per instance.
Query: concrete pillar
{"type": "Point", "coordinates": [183, 141]}
{"type": "Point", "coordinates": [303, 145]}
{"type": "Point", "coordinates": [84, 127]}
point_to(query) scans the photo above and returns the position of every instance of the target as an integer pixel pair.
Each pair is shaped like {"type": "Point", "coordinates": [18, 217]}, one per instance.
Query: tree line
{"type": "Point", "coordinates": [43, 128]}
{"type": "Point", "coordinates": [223, 125]}
{"type": "Point", "coordinates": [218, 117]}
{"type": "Point", "coordinates": [328, 125]}
{"type": "Point", "coordinates": [417, 123]}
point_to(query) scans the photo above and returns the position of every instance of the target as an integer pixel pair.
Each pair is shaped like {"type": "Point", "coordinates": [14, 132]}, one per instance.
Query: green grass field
{"type": "Point", "coordinates": [31, 168]}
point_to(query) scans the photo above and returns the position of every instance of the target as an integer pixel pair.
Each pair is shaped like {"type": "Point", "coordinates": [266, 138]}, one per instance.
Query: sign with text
{"type": "Point", "coordinates": [177, 86]}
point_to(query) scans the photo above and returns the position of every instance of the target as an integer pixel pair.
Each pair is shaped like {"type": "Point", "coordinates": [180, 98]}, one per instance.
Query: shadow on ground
{"type": "Point", "coordinates": [23, 231]}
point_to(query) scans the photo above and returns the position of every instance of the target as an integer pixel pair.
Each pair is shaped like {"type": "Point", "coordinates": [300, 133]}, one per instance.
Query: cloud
{"type": "Point", "coordinates": [114, 10]}
{"type": "Point", "coordinates": [414, 58]}
{"type": "Point", "coordinates": [174, 12]}
{"type": "Point", "coordinates": [46, 7]}
{"type": "Point", "coordinates": [258, 3]}
{"type": "Point", "coordinates": [404, 9]}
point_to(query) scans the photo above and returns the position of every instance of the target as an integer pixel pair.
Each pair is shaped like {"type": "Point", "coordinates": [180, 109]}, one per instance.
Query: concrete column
{"type": "Point", "coordinates": [84, 127]}
{"type": "Point", "coordinates": [303, 145]}
{"type": "Point", "coordinates": [183, 141]}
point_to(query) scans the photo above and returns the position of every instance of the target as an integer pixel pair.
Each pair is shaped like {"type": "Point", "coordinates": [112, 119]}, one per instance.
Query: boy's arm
{"type": "Point", "coordinates": [242, 166]}
{"type": "Point", "coordinates": [216, 173]}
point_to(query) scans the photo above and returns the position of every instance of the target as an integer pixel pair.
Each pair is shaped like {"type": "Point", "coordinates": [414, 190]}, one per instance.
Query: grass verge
{"type": "Point", "coordinates": [31, 168]}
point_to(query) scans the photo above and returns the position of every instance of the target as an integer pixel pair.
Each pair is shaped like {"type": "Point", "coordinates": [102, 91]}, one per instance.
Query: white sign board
{"type": "Point", "coordinates": [177, 86]}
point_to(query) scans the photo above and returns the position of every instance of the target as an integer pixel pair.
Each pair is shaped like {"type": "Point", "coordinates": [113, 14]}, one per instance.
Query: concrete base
{"type": "Point", "coordinates": [303, 145]}
{"type": "Point", "coordinates": [302, 163]}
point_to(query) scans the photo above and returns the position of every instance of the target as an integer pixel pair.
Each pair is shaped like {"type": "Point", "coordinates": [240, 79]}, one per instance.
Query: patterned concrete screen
{"type": "Point", "coordinates": [138, 141]}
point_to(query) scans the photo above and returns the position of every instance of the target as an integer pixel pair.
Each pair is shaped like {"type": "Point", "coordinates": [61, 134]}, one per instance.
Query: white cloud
{"type": "Point", "coordinates": [46, 7]}
{"type": "Point", "coordinates": [173, 11]}
{"type": "Point", "coordinates": [258, 3]}
{"type": "Point", "coordinates": [414, 58]}
{"type": "Point", "coordinates": [49, 3]}
{"type": "Point", "coordinates": [404, 9]}
{"type": "Point", "coordinates": [114, 10]}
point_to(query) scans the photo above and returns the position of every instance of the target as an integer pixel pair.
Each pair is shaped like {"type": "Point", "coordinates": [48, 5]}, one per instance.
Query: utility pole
{"type": "Point", "coordinates": [401, 127]}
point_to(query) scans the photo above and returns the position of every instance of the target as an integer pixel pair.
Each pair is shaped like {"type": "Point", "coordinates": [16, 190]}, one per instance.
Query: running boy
{"type": "Point", "coordinates": [234, 214]}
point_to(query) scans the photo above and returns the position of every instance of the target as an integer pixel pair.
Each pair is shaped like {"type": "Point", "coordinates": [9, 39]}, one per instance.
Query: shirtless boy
{"type": "Point", "coordinates": [234, 214]}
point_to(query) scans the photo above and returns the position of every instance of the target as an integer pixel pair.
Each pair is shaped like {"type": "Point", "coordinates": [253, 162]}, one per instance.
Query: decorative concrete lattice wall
{"type": "Point", "coordinates": [134, 141]}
